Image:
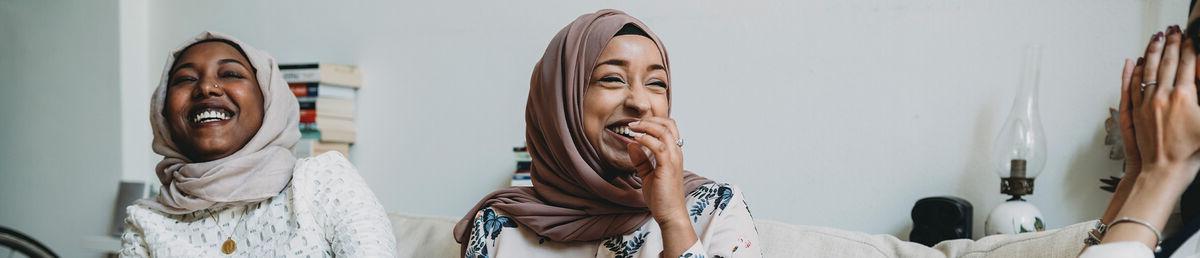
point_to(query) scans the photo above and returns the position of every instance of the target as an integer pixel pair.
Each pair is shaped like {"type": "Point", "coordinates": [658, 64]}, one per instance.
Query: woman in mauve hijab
{"type": "Point", "coordinates": [225, 122]}
{"type": "Point", "coordinates": [608, 178]}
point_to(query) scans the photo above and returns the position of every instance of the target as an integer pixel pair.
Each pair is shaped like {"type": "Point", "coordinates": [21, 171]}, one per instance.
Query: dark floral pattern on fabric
{"type": "Point", "coordinates": [691, 255]}
{"type": "Point", "coordinates": [622, 248]}
{"type": "Point", "coordinates": [719, 195]}
{"type": "Point", "coordinates": [487, 225]}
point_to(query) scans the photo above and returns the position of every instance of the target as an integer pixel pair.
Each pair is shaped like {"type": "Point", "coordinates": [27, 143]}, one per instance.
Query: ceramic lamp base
{"type": "Point", "coordinates": [1014, 217]}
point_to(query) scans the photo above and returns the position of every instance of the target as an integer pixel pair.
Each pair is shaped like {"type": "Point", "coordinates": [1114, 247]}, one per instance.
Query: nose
{"type": "Point", "coordinates": [207, 87]}
{"type": "Point", "coordinates": [637, 102]}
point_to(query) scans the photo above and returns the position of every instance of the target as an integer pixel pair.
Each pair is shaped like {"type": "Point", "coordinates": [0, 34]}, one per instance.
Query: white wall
{"type": "Point", "coordinates": [836, 113]}
{"type": "Point", "coordinates": [60, 135]}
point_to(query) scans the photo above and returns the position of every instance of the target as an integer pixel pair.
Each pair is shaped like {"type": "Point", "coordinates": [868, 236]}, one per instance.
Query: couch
{"type": "Point", "coordinates": [429, 237]}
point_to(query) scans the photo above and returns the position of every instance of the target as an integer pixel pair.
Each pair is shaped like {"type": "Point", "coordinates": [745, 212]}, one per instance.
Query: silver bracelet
{"type": "Point", "coordinates": [1157, 234]}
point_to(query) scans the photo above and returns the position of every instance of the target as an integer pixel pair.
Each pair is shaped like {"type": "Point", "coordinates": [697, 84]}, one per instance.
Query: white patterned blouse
{"type": "Point", "coordinates": [326, 211]}
{"type": "Point", "coordinates": [718, 211]}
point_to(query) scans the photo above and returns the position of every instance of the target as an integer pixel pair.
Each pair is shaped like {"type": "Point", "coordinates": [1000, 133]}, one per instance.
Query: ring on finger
{"type": "Point", "coordinates": [1148, 84]}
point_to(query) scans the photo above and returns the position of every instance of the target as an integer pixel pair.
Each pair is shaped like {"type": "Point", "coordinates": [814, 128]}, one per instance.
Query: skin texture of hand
{"type": "Point", "coordinates": [1164, 120]}
{"type": "Point", "coordinates": [662, 180]}
{"type": "Point", "coordinates": [1133, 160]}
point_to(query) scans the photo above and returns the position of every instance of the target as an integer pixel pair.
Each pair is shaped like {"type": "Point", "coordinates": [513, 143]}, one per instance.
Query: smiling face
{"type": "Point", "coordinates": [214, 105]}
{"type": "Point", "coordinates": [628, 83]}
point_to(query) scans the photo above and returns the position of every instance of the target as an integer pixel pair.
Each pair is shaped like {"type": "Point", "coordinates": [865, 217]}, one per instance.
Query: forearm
{"type": "Point", "coordinates": [1151, 199]}
{"type": "Point", "coordinates": [678, 236]}
{"type": "Point", "coordinates": [1120, 196]}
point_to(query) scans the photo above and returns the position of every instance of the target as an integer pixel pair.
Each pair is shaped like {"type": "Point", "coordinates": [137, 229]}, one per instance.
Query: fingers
{"type": "Point", "coordinates": [1185, 83]}
{"type": "Point", "coordinates": [658, 138]}
{"type": "Point", "coordinates": [667, 122]}
{"type": "Point", "coordinates": [637, 155]}
{"type": "Point", "coordinates": [1126, 79]}
{"type": "Point", "coordinates": [1150, 70]}
{"type": "Point", "coordinates": [1125, 114]}
{"type": "Point", "coordinates": [1136, 92]}
{"type": "Point", "coordinates": [1169, 65]}
{"type": "Point", "coordinates": [664, 140]}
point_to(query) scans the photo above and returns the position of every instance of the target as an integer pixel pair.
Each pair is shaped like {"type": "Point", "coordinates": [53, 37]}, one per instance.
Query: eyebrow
{"type": "Point", "coordinates": [656, 67]}
{"type": "Point", "coordinates": [616, 62]}
{"type": "Point", "coordinates": [221, 62]}
{"type": "Point", "coordinates": [230, 60]}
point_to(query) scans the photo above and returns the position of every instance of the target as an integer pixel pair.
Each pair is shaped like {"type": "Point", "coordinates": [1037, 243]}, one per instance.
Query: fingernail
{"type": "Point", "coordinates": [1141, 60]}
{"type": "Point", "coordinates": [1156, 37]}
{"type": "Point", "coordinates": [1172, 29]}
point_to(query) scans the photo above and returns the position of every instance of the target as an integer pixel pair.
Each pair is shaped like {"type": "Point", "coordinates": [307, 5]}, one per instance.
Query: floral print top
{"type": "Point", "coordinates": [719, 213]}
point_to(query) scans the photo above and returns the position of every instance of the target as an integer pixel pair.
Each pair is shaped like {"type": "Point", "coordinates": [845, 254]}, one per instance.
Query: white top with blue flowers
{"type": "Point", "coordinates": [719, 213]}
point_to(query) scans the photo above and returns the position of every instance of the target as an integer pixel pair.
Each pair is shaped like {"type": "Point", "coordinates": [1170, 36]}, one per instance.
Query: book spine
{"type": "Point", "coordinates": [301, 75]}
{"type": "Point", "coordinates": [308, 115]}
{"type": "Point", "coordinates": [301, 89]}
{"type": "Point", "coordinates": [307, 103]}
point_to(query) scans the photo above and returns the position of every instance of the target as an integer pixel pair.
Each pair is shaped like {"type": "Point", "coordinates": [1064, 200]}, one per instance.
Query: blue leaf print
{"type": "Point", "coordinates": [697, 209]}
{"type": "Point", "coordinates": [626, 249]}
{"type": "Point", "coordinates": [723, 196]}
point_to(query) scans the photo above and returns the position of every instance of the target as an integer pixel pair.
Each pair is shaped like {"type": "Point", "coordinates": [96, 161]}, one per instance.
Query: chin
{"type": "Point", "coordinates": [210, 152]}
{"type": "Point", "coordinates": [620, 162]}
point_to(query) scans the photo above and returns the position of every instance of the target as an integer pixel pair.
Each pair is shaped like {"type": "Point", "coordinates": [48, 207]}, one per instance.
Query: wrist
{"type": "Point", "coordinates": [1165, 178]}
{"type": "Point", "coordinates": [674, 223]}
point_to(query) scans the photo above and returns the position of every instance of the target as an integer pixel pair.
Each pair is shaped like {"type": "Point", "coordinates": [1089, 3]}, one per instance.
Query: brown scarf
{"type": "Point", "coordinates": [570, 200]}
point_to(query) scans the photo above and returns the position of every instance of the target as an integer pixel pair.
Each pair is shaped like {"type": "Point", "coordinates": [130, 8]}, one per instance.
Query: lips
{"type": "Point", "coordinates": [209, 113]}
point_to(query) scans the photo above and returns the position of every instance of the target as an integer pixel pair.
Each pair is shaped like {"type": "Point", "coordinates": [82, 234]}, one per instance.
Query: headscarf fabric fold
{"type": "Point", "coordinates": [572, 198]}
{"type": "Point", "coordinates": [259, 170]}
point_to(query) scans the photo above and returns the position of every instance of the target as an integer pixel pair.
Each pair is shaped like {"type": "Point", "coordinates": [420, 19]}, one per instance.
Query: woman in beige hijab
{"type": "Point", "coordinates": [225, 121]}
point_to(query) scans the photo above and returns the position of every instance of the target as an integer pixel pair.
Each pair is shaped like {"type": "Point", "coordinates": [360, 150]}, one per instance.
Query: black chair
{"type": "Point", "coordinates": [20, 243]}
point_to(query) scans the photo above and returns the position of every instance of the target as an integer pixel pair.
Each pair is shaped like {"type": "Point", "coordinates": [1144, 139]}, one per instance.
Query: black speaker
{"type": "Point", "coordinates": [937, 219]}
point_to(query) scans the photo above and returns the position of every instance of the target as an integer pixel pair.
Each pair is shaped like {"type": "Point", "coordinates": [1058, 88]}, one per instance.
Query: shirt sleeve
{"type": "Point", "coordinates": [730, 231]}
{"type": "Point", "coordinates": [354, 221]}
{"type": "Point", "coordinates": [133, 244]}
{"type": "Point", "coordinates": [1118, 250]}
{"type": "Point", "coordinates": [485, 232]}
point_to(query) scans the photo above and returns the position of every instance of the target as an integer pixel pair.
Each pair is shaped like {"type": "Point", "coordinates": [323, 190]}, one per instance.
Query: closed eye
{"type": "Point", "coordinates": [612, 79]}
{"type": "Point", "coordinates": [659, 84]}
{"type": "Point", "coordinates": [232, 74]}
{"type": "Point", "coordinates": [182, 79]}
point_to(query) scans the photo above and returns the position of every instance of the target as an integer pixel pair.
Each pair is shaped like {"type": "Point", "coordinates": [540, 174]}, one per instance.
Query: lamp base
{"type": "Point", "coordinates": [1014, 216]}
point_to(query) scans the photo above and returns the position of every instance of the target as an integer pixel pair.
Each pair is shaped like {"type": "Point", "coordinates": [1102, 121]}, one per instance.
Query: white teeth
{"type": "Point", "coordinates": [624, 130]}
{"type": "Point", "coordinates": [210, 115]}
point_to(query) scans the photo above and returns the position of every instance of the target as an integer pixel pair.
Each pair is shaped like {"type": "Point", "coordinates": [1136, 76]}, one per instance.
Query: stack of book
{"type": "Point", "coordinates": [327, 93]}
{"type": "Point", "coordinates": [521, 176]}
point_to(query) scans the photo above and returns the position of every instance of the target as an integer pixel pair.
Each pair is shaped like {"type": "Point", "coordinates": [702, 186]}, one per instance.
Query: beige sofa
{"type": "Point", "coordinates": [420, 236]}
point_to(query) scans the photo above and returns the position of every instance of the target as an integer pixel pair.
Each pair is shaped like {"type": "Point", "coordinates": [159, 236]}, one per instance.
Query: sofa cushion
{"type": "Point", "coordinates": [423, 236]}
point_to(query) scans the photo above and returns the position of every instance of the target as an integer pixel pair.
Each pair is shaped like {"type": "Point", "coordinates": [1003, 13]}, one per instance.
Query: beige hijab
{"type": "Point", "coordinates": [260, 170]}
{"type": "Point", "coordinates": [570, 199]}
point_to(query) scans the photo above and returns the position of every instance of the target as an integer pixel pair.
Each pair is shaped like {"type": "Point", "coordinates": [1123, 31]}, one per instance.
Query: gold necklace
{"type": "Point", "coordinates": [229, 246]}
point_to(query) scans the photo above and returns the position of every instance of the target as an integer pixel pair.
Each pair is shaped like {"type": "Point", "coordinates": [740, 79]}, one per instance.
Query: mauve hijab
{"type": "Point", "coordinates": [570, 199]}
{"type": "Point", "coordinates": [260, 170]}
